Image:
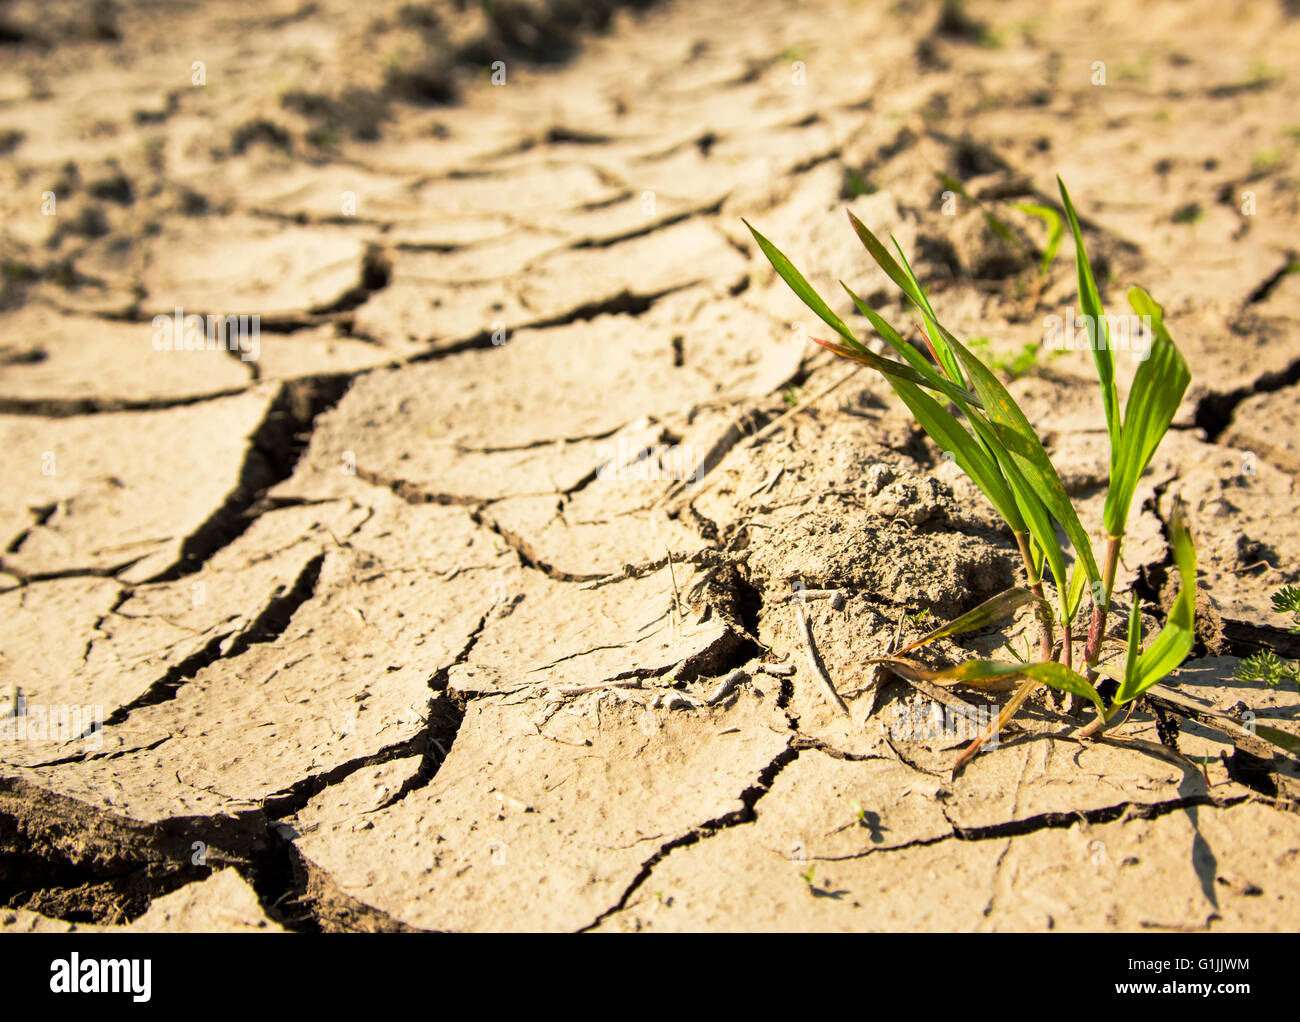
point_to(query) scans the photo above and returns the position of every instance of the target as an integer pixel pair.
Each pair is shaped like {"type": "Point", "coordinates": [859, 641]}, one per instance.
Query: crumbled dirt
{"type": "Point", "coordinates": [418, 616]}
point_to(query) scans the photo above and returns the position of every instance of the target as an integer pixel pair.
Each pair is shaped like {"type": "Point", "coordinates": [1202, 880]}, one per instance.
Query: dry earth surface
{"type": "Point", "coordinates": [418, 619]}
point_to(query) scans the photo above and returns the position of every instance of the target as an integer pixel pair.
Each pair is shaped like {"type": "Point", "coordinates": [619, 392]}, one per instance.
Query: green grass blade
{"type": "Point", "coordinates": [1282, 739]}
{"type": "Point", "coordinates": [980, 673]}
{"type": "Point", "coordinates": [1009, 432]}
{"type": "Point", "coordinates": [1171, 646]}
{"type": "Point", "coordinates": [1037, 518]}
{"type": "Point", "coordinates": [994, 609]}
{"type": "Point", "coordinates": [1090, 302]}
{"type": "Point", "coordinates": [935, 380]}
{"type": "Point", "coordinates": [1134, 645]}
{"type": "Point", "coordinates": [1016, 436]}
{"type": "Point", "coordinates": [1055, 232]}
{"type": "Point", "coordinates": [952, 184]}
{"type": "Point", "coordinates": [1029, 509]}
{"type": "Point", "coordinates": [907, 282]}
{"type": "Point", "coordinates": [882, 257]}
{"type": "Point", "coordinates": [945, 430]}
{"type": "Point", "coordinates": [800, 286]}
{"type": "Point", "coordinates": [983, 674]}
{"type": "Point", "coordinates": [1158, 388]}
{"type": "Point", "coordinates": [891, 336]}
{"type": "Point", "coordinates": [999, 228]}
{"type": "Point", "coordinates": [1064, 679]}
{"type": "Point", "coordinates": [889, 368]}
{"type": "Point", "coordinates": [936, 333]}
{"type": "Point", "coordinates": [1074, 593]}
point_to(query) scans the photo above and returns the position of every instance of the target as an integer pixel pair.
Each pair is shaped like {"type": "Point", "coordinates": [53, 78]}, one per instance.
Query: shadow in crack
{"type": "Point", "coordinates": [1204, 861]}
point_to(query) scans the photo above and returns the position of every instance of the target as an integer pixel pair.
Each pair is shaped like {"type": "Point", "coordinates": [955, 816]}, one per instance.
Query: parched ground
{"type": "Point", "coordinates": [428, 617]}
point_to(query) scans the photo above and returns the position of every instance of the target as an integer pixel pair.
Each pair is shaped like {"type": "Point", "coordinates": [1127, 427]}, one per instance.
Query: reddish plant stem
{"type": "Point", "coordinates": [1097, 626]}
{"type": "Point", "coordinates": [1036, 587]}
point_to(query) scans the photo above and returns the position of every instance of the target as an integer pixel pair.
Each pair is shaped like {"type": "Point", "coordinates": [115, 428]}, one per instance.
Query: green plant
{"type": "Point", "coordinates": [994, 443]}
{"type": "Point", "coordinates": [1267, 160]}
{"type": "Point", "coordinates": [1267, 666]}
{"type": "Point", "coordinates": [16, 270]}
{"type": "Point", "coordinates": [855, 184]}
{"type": "Point", "coordinates": [1014, 366]}
{"type": "Point", "coordinates": [1050, 217]}
{"type": "Point", "coordinates": [1134, 70]}
{"type": "Point", "coordinates": [1262, 72]}
{"type": "Point", "coordinates": [1287, 601]}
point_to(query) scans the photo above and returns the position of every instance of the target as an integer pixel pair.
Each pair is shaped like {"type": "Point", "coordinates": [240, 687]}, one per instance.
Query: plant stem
{"type": "Point", "coordinates": [1097, 627]}
{"type": "Point", "coordinates": [1094, 727]}
{"type": "Point", "coordinates": [1036, 587]}
{"type": "Point", "coordinates": [1067, 653]}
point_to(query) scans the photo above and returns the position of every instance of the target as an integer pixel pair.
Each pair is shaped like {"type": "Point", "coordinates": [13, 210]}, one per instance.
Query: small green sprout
{"type": "Point", "coordinates": [323, 138]}
{"type": "Point", "coordinates": [1024, 656]}
{"type": "Point", "coordinates": [994, 443]}
{"type": "Point", "coordinates": [1027, 359]}
{"type": "Point", "coordinates": [1287, 601]}
{"type": "Point", "coordinates": [18, 271]}
{"type": "Point", "coordinates": [1267, 160]}
{"type": "Point", "coordinates": [1050, 217]}
{"type": "Point", "coordinates": [807, 875]}
{"type": "Point", "coordinates": [1264, 73]}
{"type": "Point", "coordinates": [856, 184]}
{"type": "Point", "coordinates": [1055, 232]}
{"type": "Point", "coordinates": [1268, 667]}
{"type": "Point", "coordinates": [1134, 70]}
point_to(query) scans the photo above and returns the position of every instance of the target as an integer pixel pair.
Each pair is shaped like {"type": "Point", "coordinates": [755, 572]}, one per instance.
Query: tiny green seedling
{"type": "Point", "coordinates": [807, 875]}
{"type": "Point", "coordinates": [1267, 666]}
{"type": "Point", "coordinates": [856, 184]}
{"type": "Point", "coordinates": [1267, 160]}
{"type": "Point", "coordinates": [1001, 229]}
{"type": "Point", "coordinates": [964, 408]}
{"type": "Point", "coordinates": [1287, 601]}
{"type": "Point", "coordinates": [1026, 360]}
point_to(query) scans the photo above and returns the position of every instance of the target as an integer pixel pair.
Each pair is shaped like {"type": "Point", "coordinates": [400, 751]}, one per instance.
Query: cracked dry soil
{"type": "Point", "coordinates": [411, 622]}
